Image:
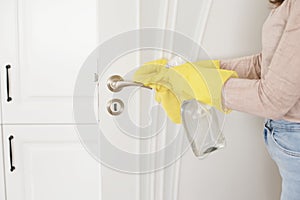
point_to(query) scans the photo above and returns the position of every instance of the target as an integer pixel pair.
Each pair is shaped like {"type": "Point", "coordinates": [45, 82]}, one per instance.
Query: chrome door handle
{"type": "Point", "coordinates": [116, 83]}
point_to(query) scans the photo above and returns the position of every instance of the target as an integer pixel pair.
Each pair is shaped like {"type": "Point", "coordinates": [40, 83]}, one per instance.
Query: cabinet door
{"type": "Point", "coordinates": [45, 43]}
{"type": "Point", "coordinates": [50, 164]}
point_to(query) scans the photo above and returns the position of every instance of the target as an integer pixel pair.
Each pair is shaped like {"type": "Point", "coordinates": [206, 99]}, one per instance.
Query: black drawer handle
{"type": "Point", "coordinates": [7, 83]}
{"type": "Point", "coordinates": [12, 167]}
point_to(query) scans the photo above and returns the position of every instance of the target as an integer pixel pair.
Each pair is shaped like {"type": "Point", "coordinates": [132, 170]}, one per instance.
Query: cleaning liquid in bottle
{"type": "Point", "coordinates": [201, 122]}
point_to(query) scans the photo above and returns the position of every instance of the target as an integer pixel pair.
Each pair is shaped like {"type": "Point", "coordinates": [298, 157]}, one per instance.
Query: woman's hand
{"type": "Point", "coordinates": [201, 80]}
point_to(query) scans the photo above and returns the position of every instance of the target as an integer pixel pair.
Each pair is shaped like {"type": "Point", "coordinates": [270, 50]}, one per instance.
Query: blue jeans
{"type": "Point", "coordinates": [282, 139]}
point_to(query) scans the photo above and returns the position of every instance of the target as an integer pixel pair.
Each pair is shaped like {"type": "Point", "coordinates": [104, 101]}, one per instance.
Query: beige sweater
{"type": "Point", "coordinates": [269, 82]}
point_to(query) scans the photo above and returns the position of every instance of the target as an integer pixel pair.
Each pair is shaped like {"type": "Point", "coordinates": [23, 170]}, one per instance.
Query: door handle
{"type": "Point", "coordinates": [116, 83]}
{"type": "Point", "coordinates": [12, 167]}
{"type": "Point", "coordinates": [7, 83]}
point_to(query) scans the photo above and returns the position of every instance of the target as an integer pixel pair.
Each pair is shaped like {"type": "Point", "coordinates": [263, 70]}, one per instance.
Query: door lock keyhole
{"type": "Point", "coordinates": [115, 107]}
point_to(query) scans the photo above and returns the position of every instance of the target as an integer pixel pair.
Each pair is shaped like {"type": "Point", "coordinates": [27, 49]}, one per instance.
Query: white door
{"type": "Point", "coordinates": [154, 133]}
{"type": "Point", "coordinates": [47, 163]}
{"type": "Point", "coordinates": [43, 45]}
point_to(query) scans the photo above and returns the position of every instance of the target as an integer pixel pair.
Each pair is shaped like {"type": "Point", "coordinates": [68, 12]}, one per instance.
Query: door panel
{"type": "Point", "coordinates": [50, 163]}
{"type": "Point", "coordinates": [45, 42]}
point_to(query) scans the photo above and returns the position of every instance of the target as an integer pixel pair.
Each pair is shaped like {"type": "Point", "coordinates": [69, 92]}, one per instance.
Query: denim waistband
{"type": "Point", "coordinates": [283, 125]}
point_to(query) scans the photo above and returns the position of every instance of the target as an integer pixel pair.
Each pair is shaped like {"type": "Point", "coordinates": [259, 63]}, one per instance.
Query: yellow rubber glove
{"type": "Point", "coordinates": [201, 80]}
{"type": "Point", "coordinates": [213, 64]}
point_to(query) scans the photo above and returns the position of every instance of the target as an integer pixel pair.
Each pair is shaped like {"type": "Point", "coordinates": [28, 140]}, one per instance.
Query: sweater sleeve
{"type": "Point", "coordinates": [278, 90]}
{"type": "Point", "coordinates": [246, 67]}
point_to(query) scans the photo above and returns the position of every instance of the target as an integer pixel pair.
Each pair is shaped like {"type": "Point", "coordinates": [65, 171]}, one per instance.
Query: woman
{"type": "Point", "coordinates": [269, 86]}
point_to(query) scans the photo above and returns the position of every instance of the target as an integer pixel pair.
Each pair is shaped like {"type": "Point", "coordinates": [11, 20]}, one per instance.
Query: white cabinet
{"type": "Point", "coordinates": [45, 42]}
{"type": "Point", "coordinates": [50, 164]}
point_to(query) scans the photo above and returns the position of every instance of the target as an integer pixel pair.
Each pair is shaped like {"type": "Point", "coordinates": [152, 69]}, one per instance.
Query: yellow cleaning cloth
{"type": "Point", "coordinates": [201, 80]}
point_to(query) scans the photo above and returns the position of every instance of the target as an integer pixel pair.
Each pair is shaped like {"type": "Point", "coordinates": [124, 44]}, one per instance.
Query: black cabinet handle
{"type": "Point", "coordinates": [12, 167]}
{"type": "Point", "coordinates": [7, 83]}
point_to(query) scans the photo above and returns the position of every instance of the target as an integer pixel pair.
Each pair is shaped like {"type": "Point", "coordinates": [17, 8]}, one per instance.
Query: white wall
{"type": "Point", "coordinates": [244, 169]}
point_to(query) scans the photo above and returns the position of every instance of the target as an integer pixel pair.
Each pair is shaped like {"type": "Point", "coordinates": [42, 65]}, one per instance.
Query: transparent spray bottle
{"type": "Point", "coordinates": [203, 124]}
